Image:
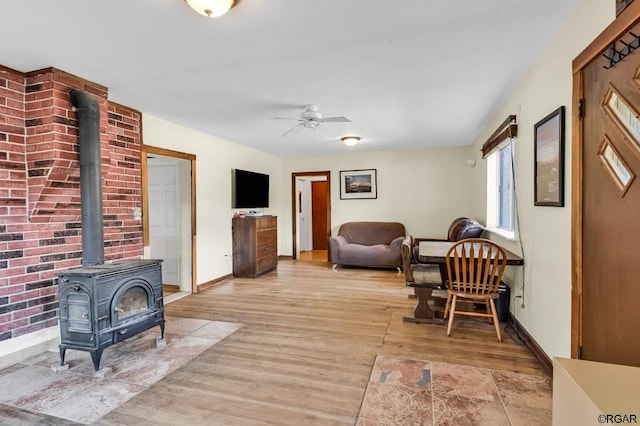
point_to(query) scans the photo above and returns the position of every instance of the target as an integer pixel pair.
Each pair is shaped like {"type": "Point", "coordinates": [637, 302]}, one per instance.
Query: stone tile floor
{"type": "Point", "coordinates": [405, 391]}
{"type": "Point", "coordinates": [78, 396]}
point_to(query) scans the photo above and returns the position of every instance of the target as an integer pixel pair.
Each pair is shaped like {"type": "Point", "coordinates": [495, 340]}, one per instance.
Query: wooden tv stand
{"type": "Point", "coordinates": [255, 245]}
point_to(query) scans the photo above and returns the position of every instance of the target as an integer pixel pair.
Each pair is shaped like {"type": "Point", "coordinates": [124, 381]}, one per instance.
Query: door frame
{"type": "Point", "coordinates": [145, 151]}
{"type": "Point", "coordinates": [623, 23]}
{"type": "Point", "coordinates": [294, 225]}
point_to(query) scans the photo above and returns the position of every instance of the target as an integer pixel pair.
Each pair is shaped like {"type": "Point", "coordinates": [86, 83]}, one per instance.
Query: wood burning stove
{"type": "Point", "coordinates": [103, 303]}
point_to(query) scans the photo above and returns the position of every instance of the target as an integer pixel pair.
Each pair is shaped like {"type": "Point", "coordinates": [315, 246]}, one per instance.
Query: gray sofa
{"type": "Point", "coordinates": [460, 228]}
{"type": "Point", "coordinates": [368, 244]}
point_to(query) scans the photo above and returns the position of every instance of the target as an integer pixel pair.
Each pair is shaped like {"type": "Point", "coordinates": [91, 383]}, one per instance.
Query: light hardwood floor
{"type": "Point", "coordinates": [305, 352]}
{"type": "Point", "coordinates": [314, 255]}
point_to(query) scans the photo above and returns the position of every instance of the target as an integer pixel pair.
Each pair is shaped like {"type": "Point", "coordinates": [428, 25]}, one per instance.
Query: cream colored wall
{"type": "Point", "coordinates": [545, 232]}
{"type": "Point", "coordinates": [215, 158]}
{"type": "Point", "coordinates": [422, 188]}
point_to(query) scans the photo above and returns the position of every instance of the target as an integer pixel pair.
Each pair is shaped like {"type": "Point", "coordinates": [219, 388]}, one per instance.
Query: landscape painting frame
{"type": "Point", "coordinates": [358, 184]}
{"type": "Point", "coordinates": [549, 160]}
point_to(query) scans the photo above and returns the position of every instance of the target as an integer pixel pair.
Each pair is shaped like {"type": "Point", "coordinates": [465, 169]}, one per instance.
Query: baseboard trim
{"type": "Point", "coordinates": [285, 257]}
{"type": "Point", "coordinates": [530, 343]}
{"type": "Point", "coordinates": [21, 348]}
{"type": "Point", "coordinates": [213, 282]}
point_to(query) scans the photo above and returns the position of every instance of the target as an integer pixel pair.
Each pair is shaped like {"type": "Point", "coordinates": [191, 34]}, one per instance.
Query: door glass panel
{"type": "Point", "coordinates": [618, 170]}
{"type": "Point", "coordinates": [133, 300]}
{"type": "Point", "coordinates": [623, 115]}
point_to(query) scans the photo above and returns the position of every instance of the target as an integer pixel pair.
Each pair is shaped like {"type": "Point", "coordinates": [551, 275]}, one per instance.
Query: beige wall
{"type": "Point", "coordinates": [545, 232]}
{"type": "Point", "coordinates": [215, 158]}
{"type": "Point", "coordinates": [422, 188]}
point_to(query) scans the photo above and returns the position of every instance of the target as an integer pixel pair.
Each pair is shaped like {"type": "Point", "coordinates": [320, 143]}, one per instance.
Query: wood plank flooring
{"type": "Point", "coordinates": [314, 255]}
{"type": "Point", "coordinates": [305, 352]}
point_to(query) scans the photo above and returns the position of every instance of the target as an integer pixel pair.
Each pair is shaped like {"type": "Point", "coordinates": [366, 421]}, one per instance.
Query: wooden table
{"type": "Point", "coordinates": [435, 252]}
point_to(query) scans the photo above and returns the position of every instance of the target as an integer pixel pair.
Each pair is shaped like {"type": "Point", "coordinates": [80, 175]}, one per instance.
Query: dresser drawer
{"type": "Point", "coordinates": [266, 223]}
{"type": "Point", "coordinates": [267, 237]}
{"type": "Point", "coordinates": [266, 263]}
{"type": "Point", "coordinates": [269, 249]}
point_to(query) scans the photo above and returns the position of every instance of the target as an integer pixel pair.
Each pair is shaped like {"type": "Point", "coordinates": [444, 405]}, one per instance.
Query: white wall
{"type": "Point", "coordinates": [422, 188]}
{"type": "Point", "coordinates": [545, 232]}
{"type": "Point", "coordinates": [215, 158]}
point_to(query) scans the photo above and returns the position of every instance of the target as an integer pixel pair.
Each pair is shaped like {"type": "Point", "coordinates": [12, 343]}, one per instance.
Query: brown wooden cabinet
{"type": "Point", "coordinates": [255, 245]}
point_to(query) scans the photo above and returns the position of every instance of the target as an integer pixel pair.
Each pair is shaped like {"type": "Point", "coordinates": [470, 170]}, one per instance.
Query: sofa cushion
{"type": "Point", "coordinates": [371, 233]}
{"type": "Point", "coordinates": [463, 228]}
{"type": "Point", "coordinates": [379, 255]}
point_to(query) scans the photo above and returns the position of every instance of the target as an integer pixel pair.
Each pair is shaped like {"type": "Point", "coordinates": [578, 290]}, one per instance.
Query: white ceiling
{"type": "Point", "coordinates": [409, 74]}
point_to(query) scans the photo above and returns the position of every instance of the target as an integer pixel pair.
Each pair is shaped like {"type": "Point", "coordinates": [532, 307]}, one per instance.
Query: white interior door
{"type": "Point", "coordinates": [164, 217]}
{"type": "Point", "coordinates": [305, 225]}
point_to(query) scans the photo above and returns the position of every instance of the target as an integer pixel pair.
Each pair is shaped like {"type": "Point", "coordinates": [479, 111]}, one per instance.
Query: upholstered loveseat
{"type": "Point", "coordinates": [460, 228]}
{"type": "Point", "coordinates": [368, 244]}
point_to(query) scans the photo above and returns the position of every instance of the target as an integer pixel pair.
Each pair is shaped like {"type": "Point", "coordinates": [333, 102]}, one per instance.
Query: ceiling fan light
{"type": "Point", "coordinates": [211, 8]}
{"type": "Point", "coordinates": [350, 140]}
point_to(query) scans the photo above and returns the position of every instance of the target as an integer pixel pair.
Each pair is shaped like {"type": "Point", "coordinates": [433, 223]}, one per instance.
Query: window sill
{"type": "Point", "coordinates": [503, 233]}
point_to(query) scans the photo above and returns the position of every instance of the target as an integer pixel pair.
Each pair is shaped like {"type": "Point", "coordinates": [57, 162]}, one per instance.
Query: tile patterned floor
{"type": "Point", "coordinates": [77, 395]}
{"type": "Point", "coordinates": [407, 392]}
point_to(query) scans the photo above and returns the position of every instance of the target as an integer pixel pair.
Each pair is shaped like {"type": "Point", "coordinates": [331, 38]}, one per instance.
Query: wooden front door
{"type": "Point", "coordinates": [610, 208]}
{"type": "Point", "coordinates": [319, 215]}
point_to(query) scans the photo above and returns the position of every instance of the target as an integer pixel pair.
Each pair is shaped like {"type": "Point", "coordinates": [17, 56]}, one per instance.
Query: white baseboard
{"type": "Point", "coordinates": [18, 349]}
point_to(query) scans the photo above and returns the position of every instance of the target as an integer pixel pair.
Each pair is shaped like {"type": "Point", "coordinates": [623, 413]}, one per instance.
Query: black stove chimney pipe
{"type": "Point", "coordinates": [88, 113]}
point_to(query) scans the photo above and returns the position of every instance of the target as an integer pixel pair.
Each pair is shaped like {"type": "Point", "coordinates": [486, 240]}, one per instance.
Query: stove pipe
{"type": "Point", "coordinates": [88, 113]}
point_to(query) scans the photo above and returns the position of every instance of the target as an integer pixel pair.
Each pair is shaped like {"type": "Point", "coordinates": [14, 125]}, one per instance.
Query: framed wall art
{"type": "Point", "coordinates": [549, 160]}
{"type": "Point", "coordinates": [358, 184]}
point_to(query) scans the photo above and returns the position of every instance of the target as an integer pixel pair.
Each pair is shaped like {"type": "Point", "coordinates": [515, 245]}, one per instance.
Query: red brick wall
{"type": "Point", "coordinates": [40, 230]}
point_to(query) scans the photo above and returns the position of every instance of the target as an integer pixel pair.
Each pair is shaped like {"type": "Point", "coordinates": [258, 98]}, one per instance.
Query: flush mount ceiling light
{"type": "Point", "coordinates": [211, 8]}
{"type": "Point", "coordinates": [350, 140]}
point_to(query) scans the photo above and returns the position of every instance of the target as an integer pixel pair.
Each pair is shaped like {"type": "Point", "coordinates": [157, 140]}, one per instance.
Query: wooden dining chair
{"type": "Point", "coordinates": [474, 269]}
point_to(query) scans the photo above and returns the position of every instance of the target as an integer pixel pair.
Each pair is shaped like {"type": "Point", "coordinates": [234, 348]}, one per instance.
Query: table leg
{"type": "Point", "coordinates": [423, 313]}
{"type": "Point", "coordinates": [443, 273]}
{"type": "Point", "coordinates": [422, 309]}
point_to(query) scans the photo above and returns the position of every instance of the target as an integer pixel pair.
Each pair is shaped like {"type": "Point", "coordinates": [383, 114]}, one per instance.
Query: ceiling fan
{"type": "Point", "coordinates": [310, 118]}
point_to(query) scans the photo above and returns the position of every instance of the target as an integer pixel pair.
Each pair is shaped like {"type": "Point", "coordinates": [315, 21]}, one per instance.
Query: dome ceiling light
{"type": "Point", "coordinates": [211, 8]}
{"type": "Point", "coordinates": [350, 140]}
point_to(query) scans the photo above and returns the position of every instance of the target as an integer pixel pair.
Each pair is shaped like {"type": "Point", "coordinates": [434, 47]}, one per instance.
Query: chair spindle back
{"type": "Point", "coordinates": [475, 266]}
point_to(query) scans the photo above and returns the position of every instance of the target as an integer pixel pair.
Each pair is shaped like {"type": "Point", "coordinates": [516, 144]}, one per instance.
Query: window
{"type": "Point", "coordinates": [500, 190]}
{"type": "Point", "coordinates": [505, 189]}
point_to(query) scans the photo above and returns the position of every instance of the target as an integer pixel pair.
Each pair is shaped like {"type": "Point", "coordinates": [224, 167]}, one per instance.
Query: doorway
{"type": "Point", "coordinates": [606, 198]}
{"type": "Point", "coordinates": [169, 217]}
{"type": "Point", "coordinates": [311, 203]}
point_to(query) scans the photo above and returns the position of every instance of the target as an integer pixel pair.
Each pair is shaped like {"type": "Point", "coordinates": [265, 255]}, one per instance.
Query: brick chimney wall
{"type": "Point", "coordinates": [40, 229]}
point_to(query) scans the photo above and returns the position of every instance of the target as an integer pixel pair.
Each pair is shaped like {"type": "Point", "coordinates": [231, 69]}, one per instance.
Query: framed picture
{"type": "Point", "coordinates": [358, 184]}
{"type": "Point", "coordinates": [549, 160]}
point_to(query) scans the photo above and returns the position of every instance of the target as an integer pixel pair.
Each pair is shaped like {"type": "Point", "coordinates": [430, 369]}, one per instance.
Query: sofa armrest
{"type": "Point", "coordinates": [334, 248]}
{"type": "Point", "coordinates": [338, 241]}
{"type": "Point", "coordinates": [396, 244]}
{"type": "Point", "coordinates": [407, 258]}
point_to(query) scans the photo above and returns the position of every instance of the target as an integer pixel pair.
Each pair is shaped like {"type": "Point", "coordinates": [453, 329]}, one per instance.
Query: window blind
{"type": "Point", "coordinates": [508, 129]}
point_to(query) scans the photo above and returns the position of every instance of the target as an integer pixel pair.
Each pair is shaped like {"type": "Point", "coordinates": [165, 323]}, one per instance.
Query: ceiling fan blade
{"type": "Point", "coordinates": [291, 129]}
{"type": "Point", "coordinates": [335, 120]}
{"type": "Point", "coordinates": [282, 118]}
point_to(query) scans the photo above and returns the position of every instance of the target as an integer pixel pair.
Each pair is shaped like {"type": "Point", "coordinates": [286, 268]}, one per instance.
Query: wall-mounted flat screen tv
{"type": "Point", "coordinates": [249, 189]}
